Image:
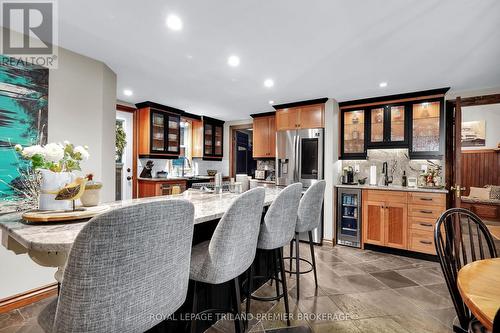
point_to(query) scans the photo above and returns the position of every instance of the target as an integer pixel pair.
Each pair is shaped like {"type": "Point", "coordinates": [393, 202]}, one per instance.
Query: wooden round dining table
{"type": "Point", "coordinates": [479, 285]}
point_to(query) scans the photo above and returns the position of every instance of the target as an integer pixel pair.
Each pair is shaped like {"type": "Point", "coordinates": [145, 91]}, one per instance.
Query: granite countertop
{"type": "Point", "coordinates": [55, 237]}
{"type": "Point", "coordinates": [395, 188]}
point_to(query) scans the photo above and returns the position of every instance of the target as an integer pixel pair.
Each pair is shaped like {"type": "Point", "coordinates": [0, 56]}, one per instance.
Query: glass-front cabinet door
{"type": "Point", "coordinates": [377, 128]}
{"type": "Point", "coordinates": [208, 140]}
{"type": "Point", "coordinates": [157, 132]}
{"type": "Point", "coordinates": [217, 140]}
{"type": "Point", "coordinates": [397, 123]}
{"type": "Point", "coordinates": [173, 138]}
{"type": "Point", "coordinates": [213, 139]}
{"type": "Point", "coordinates": [387, 126]}
{"type": "Point", "coordinates": [426, 129]}
{"type": "Point", "coordinates": [353, 134]}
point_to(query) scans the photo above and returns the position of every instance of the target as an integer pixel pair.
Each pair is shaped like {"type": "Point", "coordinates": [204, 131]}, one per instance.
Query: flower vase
{"type": "Point", "coordinates": [51, 183]}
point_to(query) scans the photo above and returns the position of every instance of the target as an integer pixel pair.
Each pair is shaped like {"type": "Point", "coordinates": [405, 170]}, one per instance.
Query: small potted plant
{"type": "Point", "coordinates": [92, 194]}
{"type": "Point", "coordinates": [56, 162]}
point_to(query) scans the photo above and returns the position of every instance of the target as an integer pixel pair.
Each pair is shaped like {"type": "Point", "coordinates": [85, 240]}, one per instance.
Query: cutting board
{"type": "Point", "coordinates": [44, 216]}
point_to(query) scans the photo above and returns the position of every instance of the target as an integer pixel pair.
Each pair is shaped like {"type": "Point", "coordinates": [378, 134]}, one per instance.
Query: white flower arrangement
{"type": "Point", "coordinates": [56, 157]}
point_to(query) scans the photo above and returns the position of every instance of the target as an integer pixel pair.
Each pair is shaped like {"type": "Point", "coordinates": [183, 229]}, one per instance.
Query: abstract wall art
{"type": "Point", "coordinates": [23, 120]}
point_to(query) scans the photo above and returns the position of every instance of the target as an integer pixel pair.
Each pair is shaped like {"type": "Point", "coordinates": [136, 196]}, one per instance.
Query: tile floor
{"type": "Point", "coordinates": [359, 291]}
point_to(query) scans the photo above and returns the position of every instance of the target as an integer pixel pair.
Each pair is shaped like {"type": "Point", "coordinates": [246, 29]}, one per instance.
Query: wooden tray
{"type": "Point", "coordinates": [46, 216]}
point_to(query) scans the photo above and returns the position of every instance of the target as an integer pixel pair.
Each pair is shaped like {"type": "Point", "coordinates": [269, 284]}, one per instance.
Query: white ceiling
{"type": "Point", "coordinates": [312, 49]}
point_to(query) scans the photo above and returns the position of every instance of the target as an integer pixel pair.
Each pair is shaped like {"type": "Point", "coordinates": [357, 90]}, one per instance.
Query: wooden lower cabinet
{"type": "Point", "coordinates": [373, 232]}
{"type": "Point", "coordinates": [402, 220]}
{"type": "Point", "coordinates": [396, 225]}
{"type": "Point", "coordinates": [421, 241]}
{"type": "Point", "coordinates": [153, 188]}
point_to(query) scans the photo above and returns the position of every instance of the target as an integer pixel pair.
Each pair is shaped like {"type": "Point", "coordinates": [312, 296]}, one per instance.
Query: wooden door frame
{"type": "Point", "coordinates": [232, 132]}
{"type": "Point", "coordinates": [451, 168]}
{"type": "Point", "coordinates": [135, 151]}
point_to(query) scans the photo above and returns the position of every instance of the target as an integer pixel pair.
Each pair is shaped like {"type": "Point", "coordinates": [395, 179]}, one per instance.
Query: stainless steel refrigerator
{"type": "Point", "coordinates": [299, 158]}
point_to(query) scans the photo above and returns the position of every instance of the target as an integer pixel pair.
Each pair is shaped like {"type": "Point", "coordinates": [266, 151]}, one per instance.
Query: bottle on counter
{"type": "Point", "coordinates": [404, 180]}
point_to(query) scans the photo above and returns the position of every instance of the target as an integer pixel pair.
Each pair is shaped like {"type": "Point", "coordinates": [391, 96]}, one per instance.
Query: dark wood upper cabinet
{"type": "Point", "coordinates": [213, 139]}
{"type": "Point", "coordinates": [353, 134]}
{"type": "Point", "coordinates": [414, 121]}
{"type": "Point", "coordinates": [387, 126]}
{"type": "Point", "coordinates": [427, 128]}
{"type": "Point", "coordinates": [158, 133]}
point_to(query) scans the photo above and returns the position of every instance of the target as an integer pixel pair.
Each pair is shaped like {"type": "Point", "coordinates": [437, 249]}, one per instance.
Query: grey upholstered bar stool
{"type": "Point", "coordinates": [309, 217]}
{"type": "Point", "coordinates": [231, 250]}
{"type": "Point", "coordinates": [127, 270]}
{"type": "Point", "coordinates": [276, 231]}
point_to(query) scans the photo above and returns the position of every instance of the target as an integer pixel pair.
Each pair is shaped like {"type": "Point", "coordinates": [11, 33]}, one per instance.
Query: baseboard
{"type": "Point", "coordinates": [27, 298]}
{"type": "Point", "coordinates": [328, 242]}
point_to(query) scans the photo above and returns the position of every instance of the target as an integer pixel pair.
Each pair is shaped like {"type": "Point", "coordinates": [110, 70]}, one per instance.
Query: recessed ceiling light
{"type": "Point", "coordinates": [268, 83]}
{"type": "Point", "coordinates": [382, 84]}
{"type": "Point", "coordinates": [189, 56]}
{"type": "Point", "coordinates": [233, 61]}
{"type": "Point", "coordinates": [128, 92]}
{"type": "Point", "coordinates": [271, 102]}
{"type": "Point", "coordinates": [174, 22]}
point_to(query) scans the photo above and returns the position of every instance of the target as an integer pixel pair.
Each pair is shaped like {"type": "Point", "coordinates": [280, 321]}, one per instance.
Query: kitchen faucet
{"type": "Point", "coordinates": [385, 171]}
{"type": "Point", "coordinates": [185, 159]}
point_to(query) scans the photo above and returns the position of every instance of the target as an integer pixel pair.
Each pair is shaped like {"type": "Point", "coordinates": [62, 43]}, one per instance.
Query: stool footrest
{"type": "Point", "coordinates": [267, 299]}
{"type": "Point", "coordinates": [301, 259]}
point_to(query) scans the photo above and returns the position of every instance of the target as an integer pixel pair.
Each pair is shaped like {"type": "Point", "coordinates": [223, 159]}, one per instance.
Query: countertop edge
{"type": "Point", "coordinates": [391, 188]}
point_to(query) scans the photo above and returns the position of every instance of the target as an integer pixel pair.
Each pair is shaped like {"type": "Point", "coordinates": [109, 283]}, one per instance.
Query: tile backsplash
{"type": "Point", "coordinates": [200, 166]}
{"type": "Point", "coordinates": [266, 165]}
{"type": "Point", "coordinates": [398, 161]}
{"type": "Point", "coordinates": [159, 165]}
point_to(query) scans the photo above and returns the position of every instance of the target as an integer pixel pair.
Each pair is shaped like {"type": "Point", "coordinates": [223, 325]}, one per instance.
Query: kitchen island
{"type": "Point", "coordinates": [49, 244]}
{"type": "Point", "coordinates": [50, 240]}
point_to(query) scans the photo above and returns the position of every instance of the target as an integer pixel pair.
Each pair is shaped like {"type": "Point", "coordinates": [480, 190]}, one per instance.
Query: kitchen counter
{"type": "Point", "coordinates": [394, 188]}
{"type": "Point", "coordinates": [60, 236]}
{"type": "Point", "coordinates": [49, 245]}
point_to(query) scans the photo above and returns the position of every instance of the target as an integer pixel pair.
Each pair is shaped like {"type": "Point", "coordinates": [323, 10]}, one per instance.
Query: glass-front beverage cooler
{"type": "Point", "coordinates": [349, 217]}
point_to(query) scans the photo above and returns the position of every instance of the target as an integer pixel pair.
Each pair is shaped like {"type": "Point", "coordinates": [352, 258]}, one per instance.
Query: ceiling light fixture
{"type": "Point", "coordinates": [382, 84]}
{"type": "Point", "coordinates": [128, 92]}
{"type": "Point", "coordinates": [174, 22]}
{"type": "Point", "coordinates": [233, 61]}
{"type": "Point", "coordinates": [271, 102]}
{"type": "Point", "coordinates": [268, 83]}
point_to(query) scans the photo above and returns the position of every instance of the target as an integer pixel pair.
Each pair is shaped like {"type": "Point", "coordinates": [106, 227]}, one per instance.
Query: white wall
{"type": "Point", "coordinates": [491, 114]}
{"type": "Point", "coordinates": [331, 165]}
{"type": "Point", "coordinates": [82, 109]}
{"type": "Point", "coordinates": [82, 98]}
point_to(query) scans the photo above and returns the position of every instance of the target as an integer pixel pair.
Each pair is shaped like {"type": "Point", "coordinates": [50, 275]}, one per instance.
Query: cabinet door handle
{"type": "Point", "coordinates": [426, 199]}
{"type": "Point", "coordinates": [426, 242]}
{"type": "Point", "coordinates": [426, 211]}
{"type": "Point", "coordinates": [426, 224]}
